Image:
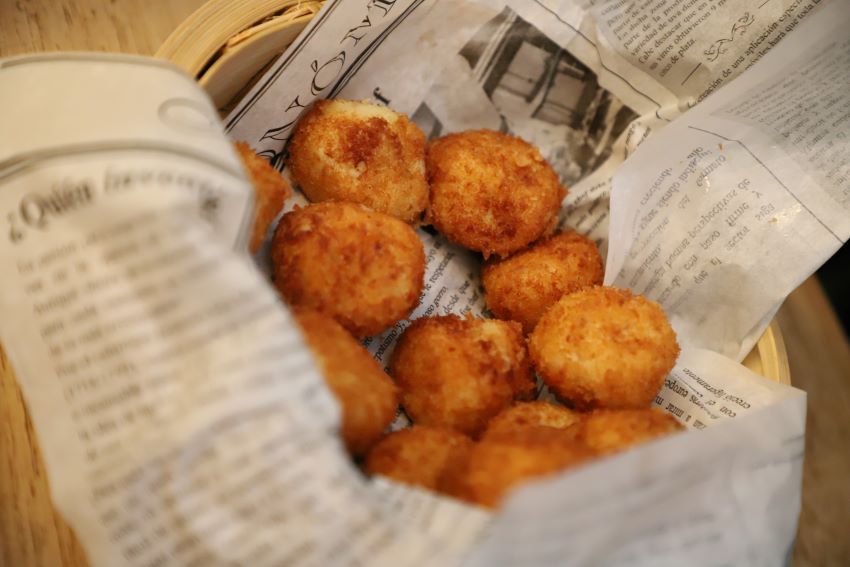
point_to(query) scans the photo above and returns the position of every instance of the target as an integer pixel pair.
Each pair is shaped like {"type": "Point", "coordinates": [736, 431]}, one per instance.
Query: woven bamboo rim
{"type": "Point", "coordinates": [227, 44]}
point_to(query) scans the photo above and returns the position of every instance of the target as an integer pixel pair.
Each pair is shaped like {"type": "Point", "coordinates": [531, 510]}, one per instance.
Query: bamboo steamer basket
{"type": "Point", "coordinates": [227, 45]}
{"type": "Point", "coordinates": [250, 34]}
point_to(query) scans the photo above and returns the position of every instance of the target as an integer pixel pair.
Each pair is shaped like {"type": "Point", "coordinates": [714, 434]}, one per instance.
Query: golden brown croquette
{"type": "Point", "coordinates": [367, 396]}
{"type": "Point", "coordinates": [499, 463]}
{"type": "Point", "coordinates": [271, 190]}
{"type": "Point", "coordinates": [418, 455]}
{"type": "Point", "coordinates": [491, 192]}
{"type": "Point", "coordinates": [363, 153]}
{"type": "Point", "coordinates": [521, 287]}
{"type": "Point", "coordinates": [523, 415]}
{"type": "Point", "coordinates": [363, 268]}
{"type": "Point", "coordinates": [458, 373]}
{"type": "Point", "coordinates": [603, 347]}
{"type": "Point", "coordinates": [608, 431]}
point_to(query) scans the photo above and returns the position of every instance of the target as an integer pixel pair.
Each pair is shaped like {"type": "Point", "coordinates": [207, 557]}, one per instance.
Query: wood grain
{"type": "Point", "coordinates": [820, 364]}
{"type": "Point", "coordinates": [32, 534]}
{"type": "Point", "coordinates": [130, 26]}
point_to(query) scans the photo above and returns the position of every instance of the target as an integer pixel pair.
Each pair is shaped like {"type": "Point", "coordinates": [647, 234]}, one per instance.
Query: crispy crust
{"type": "Point", "coordinates": [521, 287]}
{"type": "Point", "coordinates": [458, 373]}
{"type": "Point", "coordinates": [368, 396]}
{"type": "Point", "coordinates": [608, 431]}
{"type": "Point", "coordinates": [603, 347]}
{"type": "Point", "coordinates": [271, 190]}
{"type": "Point", "coordinates": [525, 415]}
{"type": "Point", "coordinates": [418, 455]}
{"type": "Point", "coordinates": [361, 153]}
{"type": "Point", "coordinates": [363, 268]}
{"type": "Point", "coordinates": [491, 192]}
{"type": "Point", "coordinates": [499, 463]}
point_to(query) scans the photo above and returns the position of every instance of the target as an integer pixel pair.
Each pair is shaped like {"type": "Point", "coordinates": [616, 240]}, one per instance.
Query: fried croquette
{"type": "Point", "coordinates": [363, 268]}
{"type": "Point", "coordinates": [458, 373]}
{"type": "Point", "coordinates": [363, 153]}
{"type": "Point", "coordinates": [498, 463]}
{"type": "Point", "coordinates": [607, 431]}
{"type": "Point", "coordinates": [367, 396]}
{"type": "Point", "coordinates": [491, 192]}
{"type": "Point", "coordinates": [271, 190]}
{"type": "Point", "coordinates": [524, 415]}
{"type": "Point", "coordinates": [418, 455]}
{"type": "Point", "coordinates": [603, 347]}
{"type": "Point", "coordinates": [521, 287]}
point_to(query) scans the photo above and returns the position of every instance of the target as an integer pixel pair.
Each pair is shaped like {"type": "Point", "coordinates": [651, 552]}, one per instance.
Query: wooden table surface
{"type": "Point", "coordinates": [32, 533]}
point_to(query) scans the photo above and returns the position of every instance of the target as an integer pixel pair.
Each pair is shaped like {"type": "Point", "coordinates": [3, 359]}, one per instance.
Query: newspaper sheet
{"type": "Point", "coordinates": [664, 56]}
{"type": "Point", "coordinates": [178, 410]}
{"type": "Point", "coordinates": [170, 387]}
{"type": "Point", "coordinates": [758, 179]}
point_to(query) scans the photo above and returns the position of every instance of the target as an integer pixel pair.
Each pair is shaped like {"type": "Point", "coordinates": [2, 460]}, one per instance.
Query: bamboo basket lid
{"type": "Point", "coordinates": [228, 44]}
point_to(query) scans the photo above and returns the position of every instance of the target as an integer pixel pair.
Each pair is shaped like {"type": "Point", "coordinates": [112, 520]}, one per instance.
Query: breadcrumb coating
{"type": "Point", "coordinates": [603, 347]}
{"type": "Point", "coordinates": [524, 415]}
{"type": "Point", "coordinates": [499, 463]}
{"type": "Point", "coordinates": [523, 286]}
{"type": "Point", "coordinates": [368, 397]}
{"type": "Point", "coordinates": [458, 373]}
{"type": "Point", "coordinates": [491, 192]}
{"type": "Point", "coordinates": [271, 190]}
{"type": "Point", "coordinates": [363, 268]}
{"type": "Point", "coordinates": [608, 431]}
{"type": "Point", "coordinates": [418, 455]}
{"type": "Point", "coordinates": [360, 152]}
